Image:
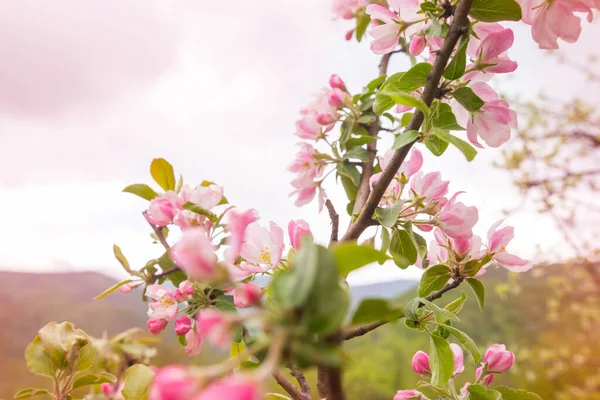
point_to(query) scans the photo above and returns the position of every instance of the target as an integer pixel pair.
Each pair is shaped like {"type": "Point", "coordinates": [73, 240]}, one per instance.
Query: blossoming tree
{"type": "Point", "coordinates": [204, 282]}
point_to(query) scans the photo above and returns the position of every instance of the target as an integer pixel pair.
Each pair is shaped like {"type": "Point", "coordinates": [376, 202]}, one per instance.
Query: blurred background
{"type": "Point", "coordinates": [91, 91]}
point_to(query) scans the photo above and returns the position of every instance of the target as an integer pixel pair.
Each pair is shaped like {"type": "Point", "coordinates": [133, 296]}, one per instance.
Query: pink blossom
{"type": "Point", "coordinates": [387, 35]}
{"type": "Point", "coordinates": [126, 288]}
{"type": "Point", "coordinates": [306, 166]}
{"type": "Point", "coordinates": [337, 83]}
{"type": "Point", "coordinates": [408, 395]}
{"type": "Point", "coordinates": [320, 115]}
{"type": "Point", "coordinates": [184, 291]}
{"type": "Point", "coordinates": [243, 270]}
{"type": "Point", "coordinates": [482, 30]}
{"type": "Point", "coordinates": [262, 245]}
{"type": "Point", "coordinates": [194, 342]}
{"type": "Point", "coordinates": [459, 358]}
{"type": "Point", "coordinates": [420, 363]}
{"type": "Point", "coordinates": [232, 388]}
{"type": "Point", "coordinates": [297, 230]}
{"type": "Point", "coordinates": [107, 388]}
{"type": "Point", "coordinates": [205, 196]}
{"type": "Point", "coordinates": [247, 295]}
{"type": "Point", "coordinates": [172, 382]}
{"type": "Point", "coordinates": [213, 326]}
{"type": "Point", "coordinates": [347, 8]}
{"type": "Point", "coordinates": [417, 45]}
{"type": "Point", "coordinates": [162, 209]}
{"type": "Point", "coordinates": [156, 325]}
{"type": "Point", "coordinates": [498, 239]}
{"type": "Point", "coordinates": [186, 219]}
{"type": "Point", "coordinates": [408, 168]}
{"type": "Point", "coordinates": [429, 187]}
{"type": "Point", "coordinates": [497, 359]}
{"type": "Point", "coordinates": [183, 325]}
{"type": "Point", "coordinates": [195, 255]}
{"type": "Point", "coordinates": [491, 54]}
{"type": "Point", "coordinates": [486, 379]}
{"type": "Point", "coordinates": [392, 192]}
{"type": "Point", "coordinates": [457, 220]}
{"type": "Point", "coordinates": [238, 222]}
{"type": "Point", "coordinates": [164, 304]}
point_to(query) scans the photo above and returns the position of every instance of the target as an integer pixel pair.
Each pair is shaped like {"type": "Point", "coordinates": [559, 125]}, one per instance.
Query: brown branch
{"type": "Point", "coordinates": [304, 385]}
{"type": "Point", "coordinates": [335, 221]}
{"type": "Point", "coordinates": [158, 232]}
{"type": "Point", "coordinates": [457, 29]}
{"type": "Point", "coordinates": [288, 386]}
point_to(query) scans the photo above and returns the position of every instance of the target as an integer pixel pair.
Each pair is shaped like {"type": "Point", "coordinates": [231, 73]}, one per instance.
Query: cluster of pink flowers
{"type": "Point", "coordinates": [164, 305]}
{"type": "Point", "coordinates": [347, 9]}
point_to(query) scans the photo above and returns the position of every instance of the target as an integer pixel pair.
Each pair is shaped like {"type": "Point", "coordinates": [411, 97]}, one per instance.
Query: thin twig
{"type": "Point", "coordinates": [158, 232]}
{"type": "Point", "coordinates": [288, 386]}
{"type": "Point", "coordinates": [335, 221]}
{"type": "Point", "coordinates": [304, 385]}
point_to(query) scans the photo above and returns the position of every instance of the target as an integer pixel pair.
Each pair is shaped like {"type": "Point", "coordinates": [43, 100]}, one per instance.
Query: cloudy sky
{"type": "Point", "coordinates": [91, 91]}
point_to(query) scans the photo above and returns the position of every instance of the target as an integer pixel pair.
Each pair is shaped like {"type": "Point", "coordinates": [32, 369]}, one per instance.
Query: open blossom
{"type": "Point", "coordinates": [420, 363]}
{"type": "Point", "coordinates": [162, 209]}
{"type": "Point", "coordinates": [408, 168]}
{"type": "Point", "coordinates": [297, 230]}
{"type": "Point", "coordinates": [498, 239]}
{"type": "Point", "coordinates": [346, 9]}
{"type": "Point", "coordinates": [306, 166]}
{"type": "Point", "coordinates": [430, 187]}
{"type": "Point", "coordinates": [232, 388]}
{"type": "Point", "coordinates": [195, 255]}
{"type": "Point", "coordinates": [457, 220]}
{"type": "Point", "coordinates": [247, 295]}
{"type": "Point", "coordinates": [238, 223]}
{"type": "Point", "coordinates": [194, 342]}
{"type": "Point", "coordinates": [497, 359]}
{"type": "Point", "coordinates": [172, 382]}
{"type": "Point", "coordinates": [206, 196]}
{"type": "Point", "coordinates": [386, 35]}
{"type": "Point", "coordinates": [214, 326]}
{"type": "Point", "coordinates": [408, 395]}
{"type": "Point", "coordinates": [459, 359]}
{"type": "Point", "coordinates": [491, 54]}
{"type": "Point", "coordinates": [241, 271]}
{"type": "Point", "coordinates": [320, 115]}
{"type": "Point", "coordinates": [262, 245]}
{"type": "Point", "coordinates": [156, 325]}
{"type": "Point", "coordinates": [183, 325]}
{"type": "Point", "coordinates": [307, 193]}
{"type": "Point", "coordinates": [163, 305]}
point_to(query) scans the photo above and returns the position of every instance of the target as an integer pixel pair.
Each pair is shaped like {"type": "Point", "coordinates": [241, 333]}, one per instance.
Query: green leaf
{"type": "Point", "coordinates": [350, 171]}
{"type": "Point", "coordinates": [199, 210]}
{"type": "Point", "coordinates": [436, 145]}
{"type": "Point", "coordinates": [472, 267]}
{"type": "Point", "coordinates": [464, 147]}
{"type": "Point", "coordinates": [375, 83]}
{"type": "Point", "coordinates": [86, 358]}
{"type": "Point", "coordinates": [137, 382]}
{"type": "Point", "coordinates": [495, 10]}
{"type": "Point", "coordinates": [350, 256]}
{"type": "Point", "coordinates": [433, 279]}
{"type": "Point", "coordinates": [112, 289]}
{"type": "Point", "coordinates": [399, 97]}
{"type": "Point", "coordinates": [478, 392]}
{"type": "Point", "coordinates": [513, 394]}
{"type": "Point", "coordinates": [441, 361]}
{"type": "Point", "coordinates": [162, 173]}
{"type": "Point", "coordinates": [466, 341]}
{"type": "Point", "coordinates": [443, 117]}
{"type": "Point", "coordinates": [359, 141]}
{"type": "Point", "coordinates": [350, 188]}
{"type": "Point", "coordinates": [412, 310]}
{"type": "Point", "coordinates": [456, 66]}
{"type": "Point", "coordinates": [388, 216]}
{"type": "Point", "coordinates": [403, 249]}
{"type": "Point", "coordinates": [121, 258]}
{"type": "Point", "coordinates": [30, 392]}
{"type": "Point", "coordinates": [142, 190]}
{"type": "Point", "coordinates": [371, 310]}
{"type": "Point", "coordinates": [408, 81]}
{"type": "Point", "coordinates": [362, 23]}
{"type": "Point", "coordinates": [94, 379]}
{"type": "Point", "coordinates": [457, 305]}
{"type": "Point", "coordinates": [367, 118]}
{"type": "Point", "coordinates": [441, 315]}
{"type": "Point", "coordinates": [357, 153]}
{"type": "Point", "coordinates": [166, 263]}
{"type": "Point", "coordinates": [468, 99]}
{"type": "Point", "coordinates": [38, 361]}
{"type": "Point", "coordinates": [62, 341]}
{"type": "Point", "coordinates": [479, 291]}
{"type": "Point", "coordinates": [405, 138]}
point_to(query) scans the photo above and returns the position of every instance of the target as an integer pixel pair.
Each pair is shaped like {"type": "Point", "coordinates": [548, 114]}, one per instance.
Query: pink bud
{"type": "Point", "coordinates": [156, 325]}
{"type": "Point", "coordinates": [335, 99]}
{"type": "Point", "coordinates": [247, 295]}
{"type": "Point", "coordinates": [162, 210]}
{"type": "Point", "coordinates": [486, 379]}
{"type": "Point", "coordinates": [297, 230]}
{"type": "Point", "coordinates": [417, 45]}
{"type": "Point", "coordinates": [214, 326]}
{"type": "Point", "coordinates": [337, 83]}
{"type": "Point", "coordinates": [126, 288]}
{"type": "Point", "coordinates": [107, 388]}
{"type": "Point", "coordinates": [498, 359]}
{"type": "Point", "coordinates": [325, 119]}
{"type": "Point", "coordinates": [232, 388]}
{"type": "Point", "coordinates": [420, 363]}
{"type": "Point", "coordinates": [183, 325]}
{"type": "Point", "coordinates": [349, 34]}
{"type": "Point", "coordinates": [172, 382]}
{"type": "Point", "coordinates": [194, 342]}
{"type": "Point", "coordinates": [184, 290]}
{"type": "Point", "coordinates": [459, 358]}
{"type": "Point", "coordinates": [238, 222]}
{"type": "Point", "coordinates": [408, 395]}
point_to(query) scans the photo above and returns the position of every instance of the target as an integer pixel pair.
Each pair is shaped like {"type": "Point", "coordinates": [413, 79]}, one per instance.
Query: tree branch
{"type": "Point", "coordinates": [304, 385]}
{"type": "Point", "coordinates": [288, 386]}
{"type": "Point", "coordinates": [458, 28]}
{"type": "Point", "coordinates": [335, 221]}
{"type": "Point", "coordinates": [158, 232]}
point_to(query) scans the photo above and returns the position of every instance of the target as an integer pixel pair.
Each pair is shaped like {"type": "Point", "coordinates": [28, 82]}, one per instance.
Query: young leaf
{"type": "Point", "coordinates": [137, 382]}
{"type": "Point", "coordinates": [457, 305]}
{"type": "Point", "coordinates": [121, 258]}
{"type": "Point", "coordinates": [466, 341]}
{"type": "Point", "coordinates": [442, 117]}
{"type": "Point", "coordinates": [513, 394]}
{"type": "Point", "coordinates": [58, 339]}
{"type": "Point", "coordinates": [441, 361]}
{"type": "Point", "coordinates": [479, 291]}
{"type": "Point", "coordinates": [405, 138]}
{"type": "Point", "coordinates": [403, 249]}
{"type": "Point", "coordinates": [94, 379]}
{"type": "Point", "coordinates": [357, 153]}
{"type": "Point", "coordinates": [388, 216]}
{"type": "Point", "coordinates": [38, 361]}
{"type": "Point", "coordinates": [367, 118]}
{"type": "Point", "coordinates": [371, 310]}
{"type": "Point", "coordinates": [434, 278]}
{"type": "Point", "coordinates": [412, 311]}
{"type": "Point", "coordinates": [162, 173]}
{"type": "Point", "coordinates": [142, 190]}
{"type": "Point", "coordinates": [468, 99]}
{"type": "Point", "coordinates": [478, 392]}
{"type": "Point", "coordinates": [112, 289]}
{"type": "Point", "coordinates": [399, 97]}
{"type": "Point", "coordinates": [362, 22]}
{"type": "Point", "coordinates": [350, 171]}
{"type": "Point", "coordinates": [441, 315]}
{"type": "Point", "coordinates": [30, 392]}
{"type": "Point", "coordinates": [464, 147]}
{"type": "Point", "coordinates": [199, 210]}
{"type": "Point", "coordinates": [436, 145]}
{"type": "Point", "coordinates": [496, 10]}
{"type": "Point", "coordinates": [350, 256]}
{"type": "Point", "coordinates": [359, 141]}
{"type": "Point", "coordinates": [375, 83]}
{"type": "Point", "coordinates": [456, 67]}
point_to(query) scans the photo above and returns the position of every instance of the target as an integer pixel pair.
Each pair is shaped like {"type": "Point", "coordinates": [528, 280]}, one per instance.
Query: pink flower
{"type": "Point", "coordinates": [498, 239]}
{"type": "Point", "coordinates": [429, 187]}
{"type": "Point", "coordinates": [320, 115]}
{"type": "Point", "coordinates": [497, 359]}
{"type": "Point", "coordinates": [486, 379]}
{"type": "Point", "coordinates": [162, 209]}
{"type": "Point", "coordinates": [126, 288]}
{"type": "Point", "coordinates": [306, 166]}
{"type": "Point", "coordinates": [457, 220]}
{"type": "Point", "coordinates": [164, 304]}
{"type": "Point", "coordinates": [238, 222]}
{"type": "Point", "coordinates": [172, 382]}
{"type": "Point", "coordinates": [459, 358]}
{"type": "Point", "coordinates": [184, 291]}
{"type": "Point", "coordinates": [195, 255]}
{"type": "Point", "coordinates": [107, 388]}
{"type": "Point", "coordinates": [391, 194]}
{"type": "Point", "coordinates": [337, 83]}
{"type": "Point", "coordinates": [156, 325]}
{"type": "Point", "coordinates": [243, 270]}
{"type": "Point", "coordinates": [186, 219]}
{"type": "Point", "coordinates": [408, 395]}
{"type": "Point", "coordinates": [247, 295]}
{"type": "Point", "coordinates": [213, 326]}
{"type": "Point", "coordinates": [297, 230]}
{"type": "Point", "coordinates": [262, 245]}
{"type": "Point", "coordinates": [491, 54]}
{"type": "Point", "coordinates": [482, 30]}
{"type": "Point", "coordinates": [232, 388]}
{"type": "Point", "coordinates": [183, 325]}
{"type": "Point", "coordinates": [194, 342]}
{"type": "Point", "coordinates": [408, 168]}
{"type": "Point", "coordinates": [387, 35]}
{"type": "Point", "coordinates": [206, 197]}
{"type": "Point", "coordinates": [417, 45]}
{"type": "Point", "coordinates": [420, 363]}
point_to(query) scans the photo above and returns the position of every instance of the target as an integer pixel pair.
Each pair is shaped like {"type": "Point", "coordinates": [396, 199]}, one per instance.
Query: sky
{"type": "Point", "coordinates": [91, 92]}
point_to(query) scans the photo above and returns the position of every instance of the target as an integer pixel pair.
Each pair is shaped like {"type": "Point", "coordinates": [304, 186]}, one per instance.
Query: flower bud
{"type": "Point", "coordinates": [498, 359]}
{"type": "Point", "coordinates": [417, 45]}
{"type": "Point", "coordinates": [486, 379]}
{"type": "Point", "coordinates": [232, 388]}
{"type": "Point", "coordinates": [459, 358]}
{"type": "Point", "coordinates": [349, 34]}
{"type": "Point", "coordinates": [172, 383]}
{"type": "Point", "coordinates": [107, 388]}
{"type": "Point", "coordinates": [337, 83]}
{"type": "Point", "coordinates": [156, 325]}
{"type": "Point", "coordinates": [183, 325]}
{"type": "Point", "coordinates": [297, 230]}
{"type": "Point", "coordinates": [247, 295]}
{"type": "Point", "coordinates": [408, 395]}
{"type": "Point", "coordinates": [325, 119]}
{"type": "Point", "coordinates": [420, 363]}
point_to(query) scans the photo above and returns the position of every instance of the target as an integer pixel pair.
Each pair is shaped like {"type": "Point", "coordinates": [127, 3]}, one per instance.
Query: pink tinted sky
{"type": "Point", "coordinates": [91, 91]}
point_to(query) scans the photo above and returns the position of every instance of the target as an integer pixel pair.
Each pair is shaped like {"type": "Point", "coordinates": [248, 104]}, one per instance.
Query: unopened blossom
{"type": "Point", "coordinates": [238, 223]}
{"type": "Point", "coordinates": [346, 9]}
{"type": "Point", "coordinates": [172, 382]}
{"type": "Point", "coordinates": [498, 239]}
{"type": "Point", "coordinates": [319, 116]}
{"type": "Point", "coordinates": [420, 363]}
{"type": "Point", "coordinates": [306, 166]}
{"type": "Point", "coordinates": [459, 359]}
{"type": "Point", "coordinates": [297, 230]}
{"type": "Point", "coordinates": [429, 187]}
{"type": "Point", "coordinates": [497, 359]}
{"type": "Point", "coordinates": [457, 220]}
{"type": "Point", "coordinates": [162, 209]}
{"type": "Point", "coordinates": [183, 325]}
{"type": "Point", "coordinates": [247, 295]}
{"type": "Point", "coordinates": [408, 395]}
{"type": "Point", "coordinates": [417, 45]}
{"type": "Point", "coordinates": [107, 388]}
{"type": "Point", "coordinates": [205, 196]}
{"type": "Point", "coordinates": [194, 342]}
{"type": "Point", "coordinates": [214, 326]}
{"type": "Point", "coordinates": [491, 54]}
{"type": "Point", "coordinates": [126, 288]}
{"type": "Point", "coordinates": [163, 304]}
{"type": "Point", "coordinates": [232, 388]}
{"type": "Point", "coordinates": [485, 379]}
{"type": "Point", "coordinates": [195, 255]}
{"type": "Point", "coordinates": [337, 83]}
{"type": "Point", "coordinates": [156, 325]}
{"type": "Point", "coordinates": [184, 290]}
{"type": "Point", "coordinates": [262, 245]}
